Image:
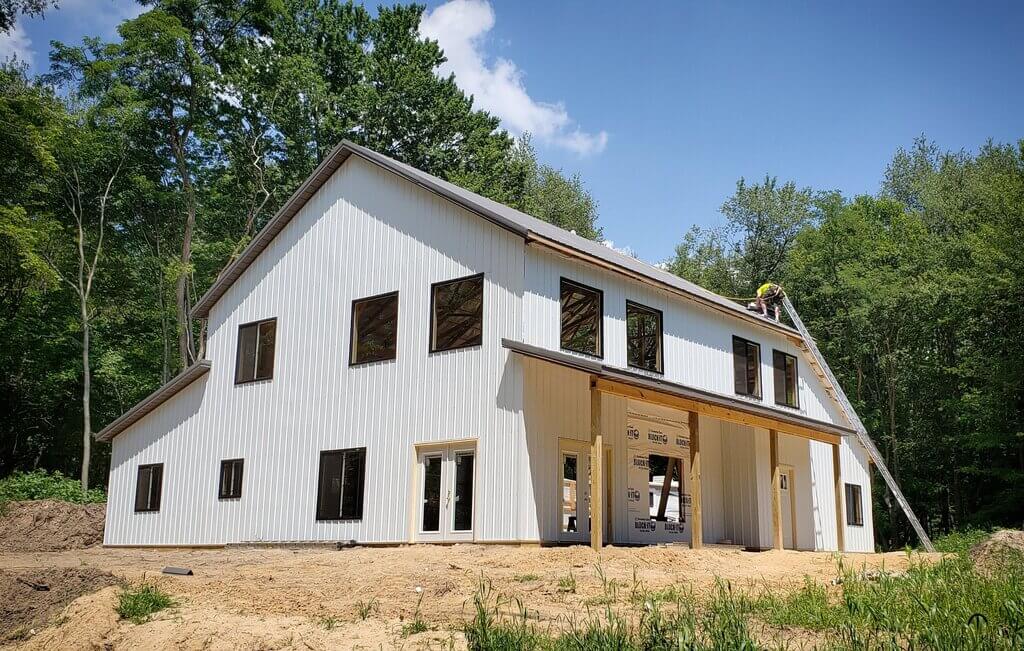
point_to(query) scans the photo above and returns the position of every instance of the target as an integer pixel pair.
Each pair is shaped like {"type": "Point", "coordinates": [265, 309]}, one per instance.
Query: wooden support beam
{"type": "Point", "coordinates": [714, 411]}
{"type": "Point", "coordinates": [596, 471]}
{"type": "Point", "coordinates": [696, 525]}
{"type": "Point", "coordinates": [773, 444]}
{"type": "Point", "coordinates": [840, 498]}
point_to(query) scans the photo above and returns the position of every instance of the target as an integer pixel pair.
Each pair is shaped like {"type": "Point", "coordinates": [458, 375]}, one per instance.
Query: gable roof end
{"type": "Point", "coordinates": [529, 228]}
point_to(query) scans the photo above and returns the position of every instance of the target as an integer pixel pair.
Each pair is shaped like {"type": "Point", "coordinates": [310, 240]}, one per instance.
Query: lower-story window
{"type": "Point", "coordinates": [148, 487]}
{"type": "Point", "coordinates": [854, 505]}
{"type": "Point", "coordinates": [665, 486]}
{"type": "Point", "coordinates": [340, 489]}
{"type": "Point", "coordinates": [230, 479]}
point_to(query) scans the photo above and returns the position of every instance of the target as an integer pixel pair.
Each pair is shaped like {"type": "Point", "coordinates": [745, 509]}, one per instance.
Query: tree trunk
{"type": "Point", "coordinates": [186, 345]}
{"type": "Point", "coordinates": [86, 395]}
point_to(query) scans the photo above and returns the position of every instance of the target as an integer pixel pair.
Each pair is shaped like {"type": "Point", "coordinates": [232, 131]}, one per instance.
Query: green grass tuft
{"type": "Point", "coordinates": [960, 542]}
{"type": "Point", "coordinates": [139, 603]}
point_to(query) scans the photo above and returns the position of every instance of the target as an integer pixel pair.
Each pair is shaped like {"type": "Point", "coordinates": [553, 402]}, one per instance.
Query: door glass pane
{"type": "Point", "coordinates": [570, 511]}
{"type": "Point", "coordinates": [463, 491]}
{"type": "Point", "coordinates": [432, 493]}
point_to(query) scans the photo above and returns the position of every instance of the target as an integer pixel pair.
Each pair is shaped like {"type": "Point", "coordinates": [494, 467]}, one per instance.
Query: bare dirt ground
{"type": "Point", "coordinates": [259, 598]}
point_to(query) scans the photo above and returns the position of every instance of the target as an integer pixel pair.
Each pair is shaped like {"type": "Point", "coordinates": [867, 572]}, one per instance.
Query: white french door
{"type": "Point", "coordinates": [574, 489]}
{"type": "Point", "coordinates": [447, 478]}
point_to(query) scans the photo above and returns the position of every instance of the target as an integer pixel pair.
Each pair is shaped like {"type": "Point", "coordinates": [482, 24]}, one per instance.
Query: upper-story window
{"type": "Point", "coordinates": [457, 314]}
{"type": "Point", "coordinates": [256, 343]}
{"type": "Point", "coordinates": [374, 329]}
{"type": "Point", "coordinates": [746, 364]}
{"type": "Point", "coordinates": [582, 308]}
{"type": "Point", "coordinates": [785, 377]}
{"type": "Point", "coordinates": [643, 337]}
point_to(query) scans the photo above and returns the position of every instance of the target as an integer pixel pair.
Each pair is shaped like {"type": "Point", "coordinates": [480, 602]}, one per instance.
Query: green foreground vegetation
{"type": "Point", "coordinates": [946, 605]}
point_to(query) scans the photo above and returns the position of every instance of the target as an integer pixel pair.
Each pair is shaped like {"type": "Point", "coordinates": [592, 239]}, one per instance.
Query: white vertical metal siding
{"type": "Point", "coordinates": [364, 233]}
{"type": "Point", "coordinates": [697, 341]}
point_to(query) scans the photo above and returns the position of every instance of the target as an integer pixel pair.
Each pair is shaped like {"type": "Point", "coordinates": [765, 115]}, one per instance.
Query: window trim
{"type": "Point", "coordinates": [238, 350]}
{"type": "Point", "coordinates": [341, 497]}
{"type": "Point", "coordinates": [221, 495]}
{"type": "Point", "coordinates": [852, 519]}
{"type": "Point", "coordinates": [796, 378]}
{"type": "Point", "coordinates": [760, 380]}
{"type": "Point", "coordinates": [433, 288]}
{"type": "Point", "coordinates": [352, 330]}
{"type": "Point", "coordinates": [600, 318]}
{"type": "Point", "coordinates": [660, 370]}
{"type": "Point", "coordinates": [139, 469]}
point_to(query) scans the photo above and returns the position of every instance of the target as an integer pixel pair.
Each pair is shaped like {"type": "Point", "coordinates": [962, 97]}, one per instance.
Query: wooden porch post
{"type": "Point", "coordinates": [696, 526]}
{"type": "Point", "coordinates": [773, 443]}
{"type": "Point", "coordinates": [840, 495]}
{"type": "Point", "coordinates": [596, 471]}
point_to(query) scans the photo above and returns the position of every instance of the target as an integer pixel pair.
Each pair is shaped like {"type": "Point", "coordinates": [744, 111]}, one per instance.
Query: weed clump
{"type": "Point", "coordinates": [137, 604]}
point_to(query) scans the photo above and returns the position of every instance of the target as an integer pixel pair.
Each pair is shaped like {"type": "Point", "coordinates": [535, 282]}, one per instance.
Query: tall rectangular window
{"type": "Point", "coordinates": [374, 329]}
{"type": "Point", "coordinates": [230, 479]}
{"type": "Point", "coordinates": [256, 343]}
{"type": "Point", "coordinates": [854, 505]}
{"type": "Point", "coordinates": [340, 489]}
{"type": "Point", "coordinates": [149, 487]}
{"type": "Point", "coordinates": [457, 314]}
{"type": "Point", "coordinates": [643, 337]}
{"type": "Point", "coordinates": [785, 375]}
{"type": "Point", "coordinates": [582, 309]}
{"type": "Point", "coordinates": [746, 364]}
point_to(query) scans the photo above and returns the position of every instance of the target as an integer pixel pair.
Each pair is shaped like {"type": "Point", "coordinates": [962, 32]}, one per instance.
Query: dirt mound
{"type": "Point", "coordinates": [50, 525]}
{"type": "Point", "coordinates": [991, 553]}
{"type": "Point", "coordinates": [33, 597]}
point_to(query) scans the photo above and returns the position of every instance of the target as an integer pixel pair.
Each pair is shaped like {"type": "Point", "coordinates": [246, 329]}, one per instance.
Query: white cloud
{"type": "Point", "coordinates": [459, 27]}
{"type": "Point", "coordinates": [624, 250]}
{"type": "Point", "coordinates": [16, 44]}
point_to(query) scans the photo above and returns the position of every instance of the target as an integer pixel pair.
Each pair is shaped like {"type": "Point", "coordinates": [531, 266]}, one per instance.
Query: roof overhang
{"type": "Point", "coordinates": [626, 383]}
{"type": "Point", "coordinates": [154, 400]}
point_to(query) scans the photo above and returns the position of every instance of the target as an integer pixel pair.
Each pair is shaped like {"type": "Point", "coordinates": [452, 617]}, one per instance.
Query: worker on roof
{"type": "Point", "coordinates": [769, 295]}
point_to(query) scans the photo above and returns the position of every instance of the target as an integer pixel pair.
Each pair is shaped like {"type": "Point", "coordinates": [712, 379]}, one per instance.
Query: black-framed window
{"type": "Point", "coordinates": [785, 379]}
{"type": "Point", "coordinates": [149, 487]}
{"type": "Point", "coordinates": [854, 505]}
{"type": "Point", "coordinates": [582, 310]}
{"type": "Point", "coordinates": [340, 487]}
{"type": "Point", "coordinates": [256, 344]}
{"type": "Point", "coordinates": [374, 329]}
{"type": "Point", "coordinates": [230, 479]}
{"type": "Point", "coordinates": [643, 337]}
{"type": "Point", "coordinates": [746, 364]}
{"type": "Point", "coordinates": [457, 313]}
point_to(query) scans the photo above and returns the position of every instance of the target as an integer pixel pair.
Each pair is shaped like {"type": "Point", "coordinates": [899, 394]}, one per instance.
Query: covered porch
{"type": "Point", "coordinates": [719, 469]}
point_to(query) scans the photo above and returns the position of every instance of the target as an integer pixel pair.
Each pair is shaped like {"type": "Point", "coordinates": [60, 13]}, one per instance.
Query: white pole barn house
{"type": "Point", "coordinates": [394, 359]}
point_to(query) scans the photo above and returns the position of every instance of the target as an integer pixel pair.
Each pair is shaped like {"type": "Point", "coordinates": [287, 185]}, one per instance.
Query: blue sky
{"type": "Point", "coordinates": [662, 106]}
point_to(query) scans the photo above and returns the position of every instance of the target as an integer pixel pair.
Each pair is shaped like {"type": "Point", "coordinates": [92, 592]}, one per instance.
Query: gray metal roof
{"type": "Point", "coordinates": [154, 400]}
{"type": "Point", "coordinates": [528, 227]}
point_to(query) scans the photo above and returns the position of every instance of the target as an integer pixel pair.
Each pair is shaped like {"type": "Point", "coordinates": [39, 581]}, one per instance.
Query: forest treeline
{"type": "Point", "coordinates": [134, 170]}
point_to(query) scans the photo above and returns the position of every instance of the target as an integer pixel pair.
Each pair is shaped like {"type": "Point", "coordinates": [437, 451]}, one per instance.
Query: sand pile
{"type": "Point", "coordinates": [33, 597]}
{"type": "Point", "coordinates": [50, 525]}
{"type": "Point", "coordinates": [990, 554]}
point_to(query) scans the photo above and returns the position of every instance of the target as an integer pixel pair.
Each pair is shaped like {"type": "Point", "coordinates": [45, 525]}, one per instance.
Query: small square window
{"type": "Point", "coordinates": [785, 379]}
{"type": "Point", "coordinates": [256, 344]}
{"type": "Point", "coordinates": [582, 310]}
{"type": "Point", "coordinates": [230, 479]}
{"type": "Point", "coordinates": [374, 329]}
{"type": "Point", "coordinates": [643, 337]}
{"type": "Point", "coordinates": [457, 314]}
{"type": "Point", "coordinates": [149, 487]}
{"type": "Point", "coordinates": [746, 361]}
{"type": "Point", "coordinates": [854, 506]}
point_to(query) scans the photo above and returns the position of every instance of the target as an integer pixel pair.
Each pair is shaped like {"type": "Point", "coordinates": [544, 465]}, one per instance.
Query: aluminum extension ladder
{"type": "Point", "coordinates": [836, 391]}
